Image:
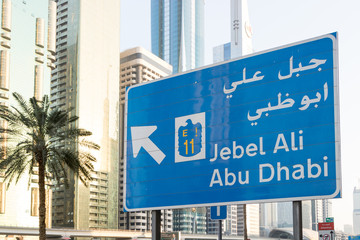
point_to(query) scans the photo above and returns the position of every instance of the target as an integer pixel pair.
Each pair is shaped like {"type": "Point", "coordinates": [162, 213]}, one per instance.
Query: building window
{"type": "Point", "coordinates": [35, 202]}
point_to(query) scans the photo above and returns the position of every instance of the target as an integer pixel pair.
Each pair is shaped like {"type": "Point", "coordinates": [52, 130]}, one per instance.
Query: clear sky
{"type": "Point", "coordinates": [275, 23]}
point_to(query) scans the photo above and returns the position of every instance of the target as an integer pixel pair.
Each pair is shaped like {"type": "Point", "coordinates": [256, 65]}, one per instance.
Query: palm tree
{"type": "Point", "coordinates": [39, 139]}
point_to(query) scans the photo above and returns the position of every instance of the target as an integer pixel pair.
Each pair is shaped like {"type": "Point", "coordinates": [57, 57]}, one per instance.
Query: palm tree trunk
{"type": "Point", "coordinates": [42, 206]}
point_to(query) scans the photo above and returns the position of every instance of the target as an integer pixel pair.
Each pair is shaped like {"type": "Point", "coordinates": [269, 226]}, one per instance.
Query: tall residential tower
{"type": "Point", "coordinates": [137, 65]}
{"type": "Point", "coordinates": [86, 78]}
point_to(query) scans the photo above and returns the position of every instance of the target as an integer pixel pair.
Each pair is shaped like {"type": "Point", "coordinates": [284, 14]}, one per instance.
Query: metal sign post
{"type": "Point", "coordinates": [220, 230]}
{"type": "Point", "coordinates": [297, 220]}
{"type": "Point", "coordinates": [156, 225]}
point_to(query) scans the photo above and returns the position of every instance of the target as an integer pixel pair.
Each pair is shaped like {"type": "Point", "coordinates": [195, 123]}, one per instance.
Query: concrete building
{"type": "Point", "coordinates": [25, 53]}
{"type": "Point", "coordinates": [177, 32]}
{"type": "Point", "coordinates": [320, 210]}
{"type": "Point", "coordinates": [86, 78]}
{"type": "Point", "coordinates": [316, 213]}
{"type": "Point", "coordinates": [327, 208]}
{"type": "Point", "coordinates": [252, 220]}
{"type": "Point", "coordinates": [137, 65]}
{"type": "Point", "coordinates": [356, 210]}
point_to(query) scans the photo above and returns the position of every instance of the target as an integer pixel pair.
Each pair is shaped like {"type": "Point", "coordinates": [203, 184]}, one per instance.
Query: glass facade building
{"type": "Point", "coordinates": [177, 36]}
{"type": "Point", "coordinates": [24, 59]}
{"type": "Point", "coordinates": [177, 32]}
{"type": "Point", "coordinates": [87, 78]}
{"type": "Point", "coordinates": [190, 220]}
{"type": "Point", "coordinates": [222, 53]}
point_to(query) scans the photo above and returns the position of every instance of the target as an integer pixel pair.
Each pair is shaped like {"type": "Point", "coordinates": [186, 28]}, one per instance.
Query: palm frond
{"type": "Point", "coordinates": [34, 136]}
{"type": "Point", "coordinates": [36, 133]}
{"type": "Point", "coordinates": [89, 144]}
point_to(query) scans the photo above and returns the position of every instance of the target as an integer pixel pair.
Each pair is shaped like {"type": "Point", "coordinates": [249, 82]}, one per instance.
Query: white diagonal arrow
{"type": "Point", "coordinates": [140, 138]}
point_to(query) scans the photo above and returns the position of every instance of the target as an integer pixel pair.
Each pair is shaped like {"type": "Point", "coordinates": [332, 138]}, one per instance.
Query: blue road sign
{"type": "Point", "coordinates": [257, 129]}
{"type": "Point", "coordinates": [354, 237]}
{"type": "Point", "coordinates": [218, 212]}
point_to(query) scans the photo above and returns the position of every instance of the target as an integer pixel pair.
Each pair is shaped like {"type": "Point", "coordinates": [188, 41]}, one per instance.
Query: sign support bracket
{"type": "Point", "coordinates": [220, 230]}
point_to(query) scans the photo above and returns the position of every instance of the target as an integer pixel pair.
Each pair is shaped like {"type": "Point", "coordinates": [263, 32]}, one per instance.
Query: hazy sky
{"type": "Point", "coordinates": [275, 23]}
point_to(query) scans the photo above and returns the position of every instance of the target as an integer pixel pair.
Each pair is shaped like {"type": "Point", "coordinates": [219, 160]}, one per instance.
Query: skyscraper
{"type": "Point", "coordinates": [24, 56]}
{"type": "Point", "coordinates": [177, 36]}
{"type": "Point", "coordinates": [252, 220]}
{"type": "Point", "coordinates": [356, 210]}
{"type": "Point", "coordinates": [327, 208]}
{"type": "Point", "coordinates": [320, 210]}
{"type": "Point", "coordinates": [241, 34]}
{"type": "Point", "coordinates": [316, 213]}
{"type": "Point", "coordinates": [137, 65]}
{"type": "Point", "coordinates": [177, 32]}
{"type": "Point", "coordinates": [86, 78]}
{"type": "Point", "coordinates": [241, 44]}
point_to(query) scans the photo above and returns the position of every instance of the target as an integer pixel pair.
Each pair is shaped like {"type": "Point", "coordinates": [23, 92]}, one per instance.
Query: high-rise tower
{"type": "Point", "coordinates": [137, 65]}
{"type": "Point", "coordinates": [26, 56]}
{"type": "Point", "coordinates": [177, 32]}
{"type": "Point", "coordinates": [320, 210]}
{"type": "Point", "coordinates": [86, 78]}
{"type": "Point", "coordinates": [177, 36]}
{"type": "Point", "coordinates": [241, 44]}
{"type": "Point", "coordinates": [241, 34]}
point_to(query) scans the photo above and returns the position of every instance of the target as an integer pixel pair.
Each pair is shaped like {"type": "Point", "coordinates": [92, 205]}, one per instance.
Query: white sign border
{"type": "Point", "coordinates": [337, 192]}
